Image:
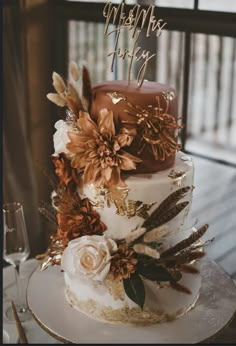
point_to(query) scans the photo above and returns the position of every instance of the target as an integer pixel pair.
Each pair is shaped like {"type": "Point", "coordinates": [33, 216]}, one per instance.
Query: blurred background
{"type": "Point", "coordinates": [196, 54]}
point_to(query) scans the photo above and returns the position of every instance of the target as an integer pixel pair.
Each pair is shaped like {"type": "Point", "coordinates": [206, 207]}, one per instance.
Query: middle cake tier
{"type": "Point", "coordinates": [124, 209]}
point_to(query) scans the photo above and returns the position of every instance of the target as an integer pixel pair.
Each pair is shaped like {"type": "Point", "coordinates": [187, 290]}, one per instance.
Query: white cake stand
{"type": "Point", "coordinates": [214, 310]}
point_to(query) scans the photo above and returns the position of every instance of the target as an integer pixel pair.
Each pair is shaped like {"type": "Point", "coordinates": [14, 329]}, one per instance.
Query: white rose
{"type": "Point", "coordinates": [60, 137]}
{"type": "Point", "coordinates": [88, 256]}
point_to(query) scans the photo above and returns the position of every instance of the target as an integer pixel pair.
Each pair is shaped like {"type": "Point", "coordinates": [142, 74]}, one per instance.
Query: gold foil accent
{"type": "Point", "coordinates": [125, 315]}
{"type": "Point", "coordinates": [115, 287]}
{"type": "Point", "coordinates": [178, 177]}
{"type": "Point", "coordinates": [53, 254]}
{"type": "Point", "coordinates": [168, 95]}
{"type": "Point", "coordinates": [116, 97]}
{"type": "Point", "coordinates": [157, 127]}
{"type": "Point", "coordinates": [118, 196]}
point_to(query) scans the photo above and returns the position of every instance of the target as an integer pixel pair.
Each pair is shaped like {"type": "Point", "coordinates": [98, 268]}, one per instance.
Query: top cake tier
{"type": "Point", "coordinates": [151, 111]}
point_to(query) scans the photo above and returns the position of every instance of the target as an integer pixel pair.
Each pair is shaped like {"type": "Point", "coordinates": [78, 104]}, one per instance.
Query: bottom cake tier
{"type": "Point", "coordinates": [108, 302]}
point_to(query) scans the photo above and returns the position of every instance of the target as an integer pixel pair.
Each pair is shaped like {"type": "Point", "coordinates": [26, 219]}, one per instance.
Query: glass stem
{"type": "Point", "coordinates": [20, 298]}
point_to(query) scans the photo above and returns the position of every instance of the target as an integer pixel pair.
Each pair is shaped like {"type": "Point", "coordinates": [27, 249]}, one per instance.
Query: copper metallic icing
{"type": "Point", "coordinates": [145, 98]}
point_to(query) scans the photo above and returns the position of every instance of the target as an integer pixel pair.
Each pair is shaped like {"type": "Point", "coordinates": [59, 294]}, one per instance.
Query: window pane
{"type": "Point", "coordinates": [212, 106]}
{"type": "Point", "coordinates": [218, 5]}
{"type": "Point", "coordinates": [128, 2]}
{"type": "Point", "coordinates": [175, 3]}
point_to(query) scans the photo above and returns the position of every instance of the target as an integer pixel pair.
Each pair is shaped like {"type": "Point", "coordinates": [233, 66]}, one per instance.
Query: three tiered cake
{"type": "Point", "coordinates": [122, 202]}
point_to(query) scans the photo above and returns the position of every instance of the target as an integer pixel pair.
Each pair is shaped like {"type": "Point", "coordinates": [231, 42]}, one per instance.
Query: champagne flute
{"type": "Point", "coordinates": [15, 251]}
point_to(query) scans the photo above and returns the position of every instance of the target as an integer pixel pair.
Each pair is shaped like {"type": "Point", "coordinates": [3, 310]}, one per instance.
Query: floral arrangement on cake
{"type": "Point", "coordinates": [91, 151]}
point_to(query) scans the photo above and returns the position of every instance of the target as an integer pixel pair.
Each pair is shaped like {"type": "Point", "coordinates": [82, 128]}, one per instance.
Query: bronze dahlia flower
{"type": "Point", "coordinates": [66, 174]}
{"type": "Point", "coordinates": [98, 150]}
{"type": "Point", "coordinates": [78, 220]}
{"type": "Point", "coordinates": [123, 263]}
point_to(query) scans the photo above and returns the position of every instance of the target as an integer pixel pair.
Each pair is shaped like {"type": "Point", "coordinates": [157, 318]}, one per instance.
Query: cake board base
{"type": "Point", "coordinates": [214, 309]}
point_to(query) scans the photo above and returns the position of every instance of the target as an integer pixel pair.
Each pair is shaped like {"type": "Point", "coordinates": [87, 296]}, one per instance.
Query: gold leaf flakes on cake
{"type": "Point", "coordinates": [117, 196]}
{"type": "Point", "coordinates": [157, 127]}
{"type": "Point", "coordinates": [98, 150]}
{"type": "Point", "coordinates": [177, 176]}
{"type": "Point", "coordinates": [116, 97]}
{"type": "Point", "coordinates": [115, 287]}
{"type": "Point", "coordinates": [127, 315]}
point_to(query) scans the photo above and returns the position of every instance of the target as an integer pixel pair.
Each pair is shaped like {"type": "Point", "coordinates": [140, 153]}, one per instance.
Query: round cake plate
{"type": "Point", "coordinates": [214, 310]}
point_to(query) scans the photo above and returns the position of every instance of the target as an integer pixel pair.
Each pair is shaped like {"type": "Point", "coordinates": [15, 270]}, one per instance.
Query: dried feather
{"type": "Point", "coordinates": [167, 204]}
{"type": "Point", "coordinates": [51, 178]}
{"type": "Point", "coordinates": [156, 221]}
{"type": "Point", "coordinates": [156, 234]}
{"type": "Point", "coordinates": [178, 287]}
{"type": "Point", "coordinates": [183, 258]}
{"type": "Point", "coordinates": [146, 250]}
{"type": "Point", "coordinates": [74, 71]}
{"type": "Point", "coordinates": [49, 207]}
{"type": "Point", "coordinates": [58, 83]}
{"type": "Point", "coordinates": [57, 99]}
{"type": "Point", "coordinates": [74, 94]}
{"type": "Point", "coordinates": [135, 235]}
{"type": "Point", "coordinates": [187, 268]}
{"type": "Point", "coordinates": [87, 89]}
{"type": "Point", "coordinates": [186, 242]}
{"type": "Point", "coordinates": [47, 215]}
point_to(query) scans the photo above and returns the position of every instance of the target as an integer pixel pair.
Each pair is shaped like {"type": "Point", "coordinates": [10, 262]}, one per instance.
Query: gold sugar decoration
{"type": "Point", "coordinates": [116, 97]}
{"type": "Point", "coordinates": [53, 255]}
{"type": "Point", "coordinates": [157, 127]}
{"type": "Point", "coordinates": [178, 177]}
{"type": "Point", "coordinates": [118, 196]}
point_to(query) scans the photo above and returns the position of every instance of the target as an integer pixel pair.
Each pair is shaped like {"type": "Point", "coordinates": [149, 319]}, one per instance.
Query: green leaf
{"type": "Point", "coordinates": [134, 288]}
{"type": "Point", "coordinates": [155, 272]}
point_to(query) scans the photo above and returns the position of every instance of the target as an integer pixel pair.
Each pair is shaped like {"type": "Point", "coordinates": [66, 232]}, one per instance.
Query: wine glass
{"type": "Point", "coordinates": [15, 251]}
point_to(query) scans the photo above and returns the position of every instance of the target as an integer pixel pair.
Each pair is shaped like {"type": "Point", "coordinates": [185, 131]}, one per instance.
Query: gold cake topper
{"type": "Point", "coordinates": [134, 21]}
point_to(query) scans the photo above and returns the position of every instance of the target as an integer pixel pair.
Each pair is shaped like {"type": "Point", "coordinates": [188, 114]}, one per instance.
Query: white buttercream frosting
{"type": "Point", "coordinates": [161, 300]}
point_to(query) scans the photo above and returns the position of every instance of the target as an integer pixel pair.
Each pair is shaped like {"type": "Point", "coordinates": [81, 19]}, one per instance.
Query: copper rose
{"type": "Point", "coordinates": [123, 262]}
{"type": "Point", "coordinates": [98, 150]}
{"type": "Point", "coordinates": [67, 175]}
